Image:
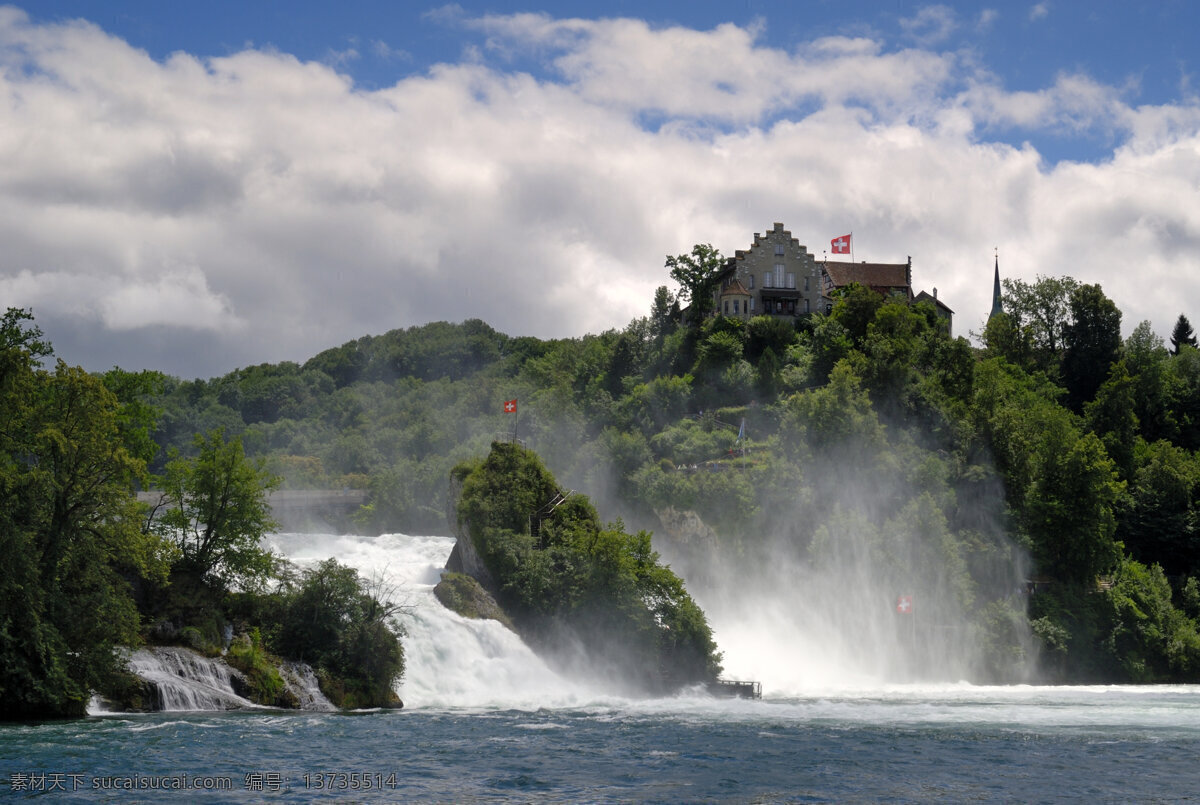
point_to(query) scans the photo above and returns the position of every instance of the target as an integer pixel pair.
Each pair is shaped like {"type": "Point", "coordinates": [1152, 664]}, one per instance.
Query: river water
{"type": "Point", "coordinates": [486, 720]}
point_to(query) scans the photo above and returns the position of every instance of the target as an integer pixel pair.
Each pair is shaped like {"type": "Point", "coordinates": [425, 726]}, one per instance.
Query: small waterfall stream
{"type": "Point", "coordinates": [183, 680]}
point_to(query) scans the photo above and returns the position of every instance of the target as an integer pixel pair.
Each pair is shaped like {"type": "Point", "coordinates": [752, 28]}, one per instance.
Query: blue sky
{"type": "Point", "coordinates": [195, 187]}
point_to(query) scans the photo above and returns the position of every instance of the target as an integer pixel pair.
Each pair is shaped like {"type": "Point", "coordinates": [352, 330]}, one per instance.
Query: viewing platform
{"type": "Point", "coordinates": [735, 689]}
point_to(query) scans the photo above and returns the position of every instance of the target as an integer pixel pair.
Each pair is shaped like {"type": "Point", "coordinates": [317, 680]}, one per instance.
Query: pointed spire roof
{"type": "Point", "coordinates": [997, 303]}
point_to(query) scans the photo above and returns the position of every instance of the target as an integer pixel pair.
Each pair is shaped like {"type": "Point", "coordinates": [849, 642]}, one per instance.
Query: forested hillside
{"type": "Point", "coordinates": [1037, 493]}
{"type": "Point", "coordinates": [1057, 458]}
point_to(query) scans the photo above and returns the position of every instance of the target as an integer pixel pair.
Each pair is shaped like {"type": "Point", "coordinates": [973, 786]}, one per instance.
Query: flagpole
{"type": "Point", "coordinates": [851, 245]}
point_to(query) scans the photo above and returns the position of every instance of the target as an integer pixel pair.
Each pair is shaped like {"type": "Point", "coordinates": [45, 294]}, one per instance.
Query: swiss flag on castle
{"type": "Point", "coordinates": [840, 245]}
{"type": "Point", "coordinates": [904, 605]}
{"type": "Point", "coordinates": [510, 406]}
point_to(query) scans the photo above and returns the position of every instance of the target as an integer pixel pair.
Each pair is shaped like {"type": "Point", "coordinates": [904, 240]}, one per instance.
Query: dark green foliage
{"type": "Point", "coordinates": [344, 627]}
{"type": "Point", "coordinates": [69, 529]}
{"type": "Point", "coordinates": [1128, 632]}
{"type": "Point", "coordinates": [558, 568]}
{"type": "Point", "coordinates": [215, 511]}
{"type": "Point", "coordinates": [768, 333]}
{"type": "Point", "coordinates": [1091, 342]}
{"type": "Point", "coordinates": [1159, 523]}
{"type": "Point", "coordinates": [696, 274]}
{"type": "Point", "coordinates": [1043, 311]}
{"type": "Point", "coordinates": [1182, 334]}
{"type": "Point", "coordinates": [855, 308]}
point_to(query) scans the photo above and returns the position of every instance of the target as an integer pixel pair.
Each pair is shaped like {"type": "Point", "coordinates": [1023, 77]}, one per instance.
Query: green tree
{"type": "Point", "coordinates": [1091, 341]}
{"type": "Point", "coordinates": [216, 512]}
{"type": "Point", "coordinates": [855, 308]}
{"type": "Point", "coordinates": [1069, 508]}
{"type": "Point", "coordinates": [1182, 334]}
{"type": "Point", "coordinates": [69, 530]}
{"type": "Point", "coordinates": [662, 322]}
{"type": "Point", "coordinates": [1005, 337]}
{"type": "Point", "coordinates": [559, 572]}
{"type": "Point", "coordinates": [696, 274]}
{"type": "Point", "coordinates": [345, 627]}
{"type": "Point", "coordinates": [1146, 637]}
{"type": "Point", "coordinates": [1111, 417]}
{"type": "Point", "coordinates": [1045, 308]}
{"type": "Point", "coordinates": [1149, 364]}
{"type": "Point", "coordinates": [1159, 524]}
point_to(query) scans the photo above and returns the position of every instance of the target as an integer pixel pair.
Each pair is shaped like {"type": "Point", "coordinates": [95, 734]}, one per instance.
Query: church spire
{"type": "Point", "coordinates": [997, 305]}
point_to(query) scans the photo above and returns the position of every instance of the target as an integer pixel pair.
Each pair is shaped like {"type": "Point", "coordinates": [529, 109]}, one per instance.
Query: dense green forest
{"type": "Point", "coordinates": [1056, 457]}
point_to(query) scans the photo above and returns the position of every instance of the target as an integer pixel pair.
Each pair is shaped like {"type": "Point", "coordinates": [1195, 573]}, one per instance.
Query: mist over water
{"type": "Point", "coordinates": [847, 594]}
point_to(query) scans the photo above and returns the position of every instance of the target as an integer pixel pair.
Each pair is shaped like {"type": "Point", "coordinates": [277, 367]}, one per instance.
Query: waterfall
{"type": "Point", "coordinates": [450, 661]}
{"type": "Point", "coordinates": [183, 680]}
{"type": "Point", "coordinates": [302, 682]}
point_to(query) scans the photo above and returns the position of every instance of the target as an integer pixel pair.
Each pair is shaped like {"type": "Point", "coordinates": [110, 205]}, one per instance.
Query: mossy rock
{"type": "Point", "coordinates": [460, 593]}
{"type": "Point", "coordinates": [264, 684]}
{"type": "Point", "coordinates": [126, 692]}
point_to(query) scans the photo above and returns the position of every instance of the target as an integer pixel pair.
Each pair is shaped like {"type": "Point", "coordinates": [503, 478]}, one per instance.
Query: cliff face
{"type": "Point", "coordinates": [464, 558]}
{"type": "Point", "coordinates": [684, 527]}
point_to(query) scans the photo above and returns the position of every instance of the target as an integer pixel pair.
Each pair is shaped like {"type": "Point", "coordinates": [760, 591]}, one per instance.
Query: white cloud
{"type": "Point", "coordinates": [931, 24]}
{"type": "Point", "coordinates": [178, 298]}
{"type": "Point", "coordinates": [1039, 11]}
{"type": "Point", "coordinates": [198, 215]}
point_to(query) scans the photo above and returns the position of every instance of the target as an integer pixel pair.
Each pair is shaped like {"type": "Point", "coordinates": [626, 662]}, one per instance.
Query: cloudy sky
{"type": "Point", "coordinates": [198, 187]}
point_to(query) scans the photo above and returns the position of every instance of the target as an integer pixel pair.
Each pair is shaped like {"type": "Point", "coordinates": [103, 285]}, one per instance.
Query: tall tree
{"type": "Point", "coordinates": [1149, 364]}
{"type": "Point", "coordinates": [1045, 308]}
{"type": "Point", "coordinates": [215, 510]}
{"type": "Point", "coordinates": [1182, 334]}
{"type": "Point", "coordinates": [1091, 341]}
{"type": "Point", "coordinates": [69, 530]}
{"type": "Point", "coordinates": [661, 321]}
{"type": "Point", "coordinates": [696, 274]}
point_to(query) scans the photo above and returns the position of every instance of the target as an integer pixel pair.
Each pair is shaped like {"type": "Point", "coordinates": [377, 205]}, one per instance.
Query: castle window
{"type": "Point", "coordinates": [806, 287]}
{"type": "Point", "coordinates": [750, 278]}
{"type": "Point", "coordinates": [779, 275]}
{"type": "Point", "coordinates": [805, 305]}
{"type": "Point", "coordinates": [791, 280]}
{"type": "Point", "coordinates": [766, 280]}
{"type": "Point", "coordinates": [735, 306]}
{"type": "Point", "coordinates": [779, 250]}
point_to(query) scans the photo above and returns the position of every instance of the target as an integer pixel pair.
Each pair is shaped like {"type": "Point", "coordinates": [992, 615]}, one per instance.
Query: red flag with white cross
{"type": "Point", "coordinates": [904, 605]}
{"type": "Point", "coordinates": [510, 406]}
{"type": "Point", "coordinates": [840, 245]}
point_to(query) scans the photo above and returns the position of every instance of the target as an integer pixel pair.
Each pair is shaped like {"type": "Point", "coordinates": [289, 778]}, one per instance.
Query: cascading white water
{"type": "Point", "coordinates": [183, 680]}
{"type": "Point", "coordinates": [301, 681]}
{"type": "Point", "coordinates": [450, 661]}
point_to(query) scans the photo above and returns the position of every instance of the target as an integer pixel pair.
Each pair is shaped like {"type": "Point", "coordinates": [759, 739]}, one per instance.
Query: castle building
{"type": "Point", "coordinates": [777, 276]}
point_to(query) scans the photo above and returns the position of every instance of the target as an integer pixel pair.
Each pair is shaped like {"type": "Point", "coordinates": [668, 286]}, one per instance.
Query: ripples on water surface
{"type": "Point", "coordinates": [950, 743]}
